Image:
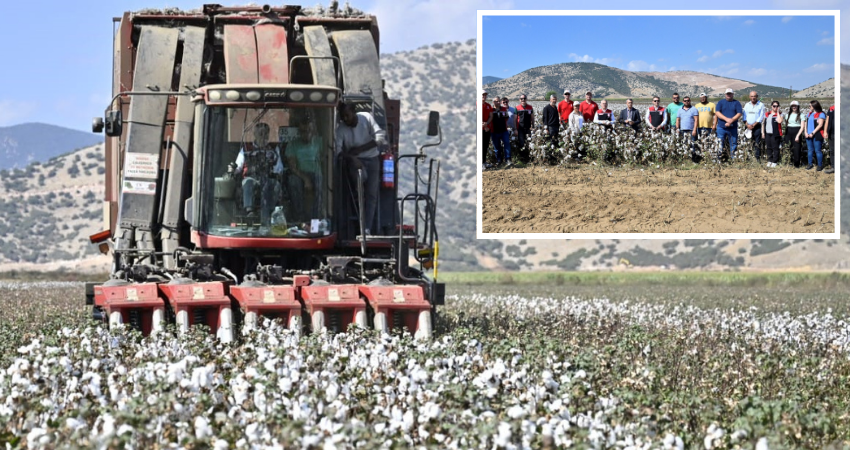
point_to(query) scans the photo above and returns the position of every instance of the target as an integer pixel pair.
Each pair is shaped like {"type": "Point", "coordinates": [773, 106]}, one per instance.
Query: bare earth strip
{"type": "Point", "coordinates": [597, 199]}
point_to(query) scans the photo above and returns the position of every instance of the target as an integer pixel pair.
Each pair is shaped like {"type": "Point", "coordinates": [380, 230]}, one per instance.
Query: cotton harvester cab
{"type": "Point", "coordinates": [225, 198]}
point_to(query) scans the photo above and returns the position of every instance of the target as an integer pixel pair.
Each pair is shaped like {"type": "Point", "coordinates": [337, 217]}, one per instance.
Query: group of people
{"type": "Point", "coordinates": [762, 125]}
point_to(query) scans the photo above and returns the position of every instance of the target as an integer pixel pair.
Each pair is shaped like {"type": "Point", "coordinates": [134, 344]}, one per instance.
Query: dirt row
{"type": "Point", "coordinates": [600, 199]}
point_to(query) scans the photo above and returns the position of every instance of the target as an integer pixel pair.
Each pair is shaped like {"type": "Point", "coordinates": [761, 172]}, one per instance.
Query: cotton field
{"type": "Point", "coordinates": [510, 368]}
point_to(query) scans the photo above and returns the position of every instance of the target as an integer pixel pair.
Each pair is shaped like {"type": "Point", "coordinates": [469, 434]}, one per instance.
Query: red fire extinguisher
{"type": "Point", "coordinates": [388, 176]}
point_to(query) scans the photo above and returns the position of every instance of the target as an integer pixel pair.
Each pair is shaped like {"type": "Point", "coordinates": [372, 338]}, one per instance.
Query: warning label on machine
{"type": "Point", "coordinates": [139, 187]}
{"type": "Point", "coordinates": [141, 165]}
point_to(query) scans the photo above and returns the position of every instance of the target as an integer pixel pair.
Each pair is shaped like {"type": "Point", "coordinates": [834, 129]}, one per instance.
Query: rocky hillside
{"type": "Point", "coordinates": [607, 81]}
{"type": "Point", "coordinates": [488, 80]}
{"type": "Point", "coordinates": [49, 209]}
{"type": "Point", "coordinates": [820, 90]}
{"type": "Point", "coordinates": [29, 142]}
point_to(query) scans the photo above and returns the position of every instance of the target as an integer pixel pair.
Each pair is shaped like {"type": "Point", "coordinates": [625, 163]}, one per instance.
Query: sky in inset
{"type": "Point", "coordinates": [785, 51]}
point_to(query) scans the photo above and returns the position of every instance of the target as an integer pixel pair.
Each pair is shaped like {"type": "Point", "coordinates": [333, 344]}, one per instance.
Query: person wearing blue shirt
{"type": "Point", "coordinates": [728, 111]}
{"type": "Point", "coordinates": [814, 133]}
{"type": "Point", "coordinates": [754, 112]}
{"type": "Point", "coordinates": [686, 123]}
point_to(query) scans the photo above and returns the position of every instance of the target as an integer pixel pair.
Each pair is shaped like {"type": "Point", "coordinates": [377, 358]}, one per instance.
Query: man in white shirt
{"type": "Point", "coordinates": [754, 112]}
{"type": "Point", "coordinates": [357, 139]}
{"type": "Point", "coordinates": [261, 167]}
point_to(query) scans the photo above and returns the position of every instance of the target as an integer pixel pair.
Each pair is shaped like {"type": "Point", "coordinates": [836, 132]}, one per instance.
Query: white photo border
{"type": "Point", "coordinates": [479, 86]}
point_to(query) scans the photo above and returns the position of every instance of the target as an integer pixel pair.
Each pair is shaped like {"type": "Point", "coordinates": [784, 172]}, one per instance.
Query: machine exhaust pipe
{"type": "Point", "coordinates": [266, 9]}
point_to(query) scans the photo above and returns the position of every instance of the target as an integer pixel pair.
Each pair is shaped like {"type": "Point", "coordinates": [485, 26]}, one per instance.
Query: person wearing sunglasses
{"type": "Point", "coordinates": [793, 120]}
{"type": "Point", "coordinates": [524, 121]}
{"type": "Point", "coordinates": [686, 122]}
{"type": "Point", "coordinates": [656, 117]}
{"type": "Point", "coordinates": [728, 111]}
{"type": "Point", "coordinates": [771, 133]}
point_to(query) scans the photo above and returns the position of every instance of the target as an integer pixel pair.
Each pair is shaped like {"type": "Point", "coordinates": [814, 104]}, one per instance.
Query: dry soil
{"type": "Point", "coordinates": [603, 199]}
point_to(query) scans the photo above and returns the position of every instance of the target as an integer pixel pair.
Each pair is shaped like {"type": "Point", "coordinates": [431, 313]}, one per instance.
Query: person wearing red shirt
{"type": "Point", "coordinates": [486, 111]}
{"type": "Point", "coordinates": [565, 108]}
{"type": "Point", "coordinates": [588, 107]}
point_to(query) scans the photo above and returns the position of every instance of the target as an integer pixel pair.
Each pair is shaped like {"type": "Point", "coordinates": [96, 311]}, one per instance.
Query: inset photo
{"type": "Point", "coordinates": [601, 124]}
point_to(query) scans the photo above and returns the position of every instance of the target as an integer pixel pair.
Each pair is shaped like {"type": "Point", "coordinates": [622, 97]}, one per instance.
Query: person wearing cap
{"type": "Point", "coordinates": [551, 120]}
{"type": "Point", "coordinates": [754, 113]}
{"type": "Point", "coordinates": [830, 133]}
{"type": "Point", "coordinates": [524, 122]}
{"type": "Point", "coordinates": [486, 117]}
{"type": "Point", "coordinates": [814, 136]}
{"type": "Point", "coordinates": [672, 111]}
{"type": "Point", "coordinates": [686, 123]}
{"type": "Point", "coordinates": [771, 133]}
{"type": "Point", "coordinates": [576, 119]}
{"type": "Point", "coordinates": [630, 116]}
{"type": "Point", "coordinates": [499, 134]}
{"type": "Point", "coordinates": [656, 116]}
{"type": "Point", "coordinates": [793, 121]}
{"type": "Point", "coordinates": [588, 107]}
{"type": "Point", "coordinates": [728, 111]}
{"type": "Point", "coordinates": [707, 118]}
{"type": "Point", "coordinates": [565, 107]}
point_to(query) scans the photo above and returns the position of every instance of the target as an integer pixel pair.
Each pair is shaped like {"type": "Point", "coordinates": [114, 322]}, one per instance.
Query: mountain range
{"type": "Point", "coordinates": [59, 199]}
{"type": "Point", "coordinates": [605, 81]}
{"type": "Point", "coordinates": [29, 142]}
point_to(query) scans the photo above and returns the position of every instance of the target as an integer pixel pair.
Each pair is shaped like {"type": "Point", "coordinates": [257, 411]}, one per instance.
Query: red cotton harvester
{"type": "Point", "coordinates": [226, 195]}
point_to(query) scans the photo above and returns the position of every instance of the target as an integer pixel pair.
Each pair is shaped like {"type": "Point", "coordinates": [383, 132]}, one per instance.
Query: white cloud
{"type": "Point", "coordinates": [702, 58]}
{"type": "Point", "coordinates": [819, 67]}
{"type": "Point", "coordinates": [827, 41]}
{"type": "Point", "coordinates": [731, 71]}
{"type": "Point", "coordinates": [826, 32]}
{"type": "Point", "coordinates": [723, 69]}
{"type": "Point", "coordinates": [757, 72]}
{"type": "Point", "coordinates": [587, 58]}
{"type": "Point", "coordinates": [786, 19]}
{"type": "Point", "coordinates": [13, 112]}
{"type": "Point", "coordinates": [435, 21]}
{"type": "Point", "coordinates": [749, 22]}
{"type": "Point", "coordinates": [699, 51]}
{"type": "Point", "coordinates": [720, 53]}
{"type": "Point", "coordinates": [643, 66]}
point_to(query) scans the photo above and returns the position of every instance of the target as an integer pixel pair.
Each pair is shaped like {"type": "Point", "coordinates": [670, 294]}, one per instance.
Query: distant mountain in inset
{"type": "Point", "coordinates": [23, 144]}
{"type": "Point", "coordinates": [488, 80]}
{"type": "Point", "coordinates": [820, 90]}
{"type": "Point", "coordinates": [607, 81]}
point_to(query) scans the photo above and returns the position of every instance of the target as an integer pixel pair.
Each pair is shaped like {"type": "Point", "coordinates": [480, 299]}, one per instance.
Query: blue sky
{"type": "Point", "coordinates": [57, 55]}
{"type": "Point", "coordinates": [800, 53]}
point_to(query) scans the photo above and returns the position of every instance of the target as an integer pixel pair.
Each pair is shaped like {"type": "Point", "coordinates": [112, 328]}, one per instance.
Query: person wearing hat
{"type": "Point", "coordinates": [588, 107]}
{"type": "Point", "coordinates": [793, 120]}
{"type": "Point", "coordinates": [728, 111]}
{"type": "Point", "coordinates": [630, 116]}
{"type": "Point", "coordinates": [486, 117]}
{"type": "Point", "coordinates": [565, 107]}
{"type": "Point", "coordinates": [576, 119]}
{"type": "Point", "coordinates": [707, 118]}
{"type": "Point", "coordinates": [754, 113]}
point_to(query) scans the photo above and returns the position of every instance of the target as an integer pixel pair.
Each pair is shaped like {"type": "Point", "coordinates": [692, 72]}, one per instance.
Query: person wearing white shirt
{"type": "Point", "coordinates": [754, 112]}
{"type": "Point", "coordinates": [576, 119]}
{"type": "Point", "coordinates": [357, 139]}
{"type": "Point", "coordinates": [603, 115]}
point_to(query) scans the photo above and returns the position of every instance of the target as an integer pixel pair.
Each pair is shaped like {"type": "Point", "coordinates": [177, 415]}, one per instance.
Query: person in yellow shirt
{"type": "Point", "coordinates": [707, 118]}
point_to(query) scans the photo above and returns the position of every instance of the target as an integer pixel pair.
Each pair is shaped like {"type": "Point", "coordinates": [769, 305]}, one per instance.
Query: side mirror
{"type": "Point", "coordinates": [113, 123]}
{"type": "Point", "coordinates": [434, 123]}
{"type": "Point", "coordinates": [97, 125]}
